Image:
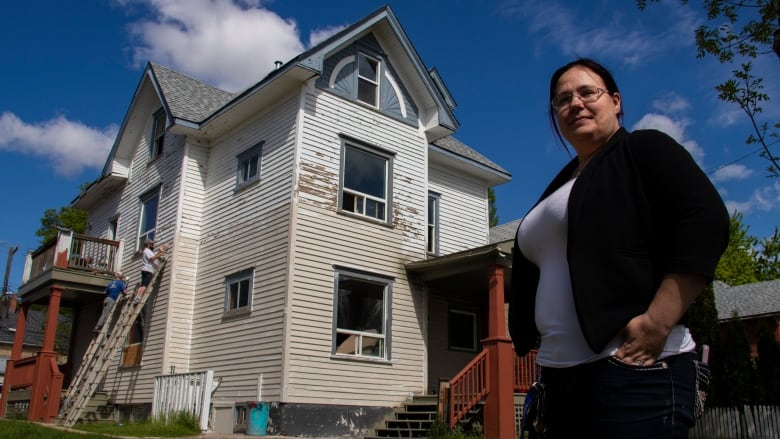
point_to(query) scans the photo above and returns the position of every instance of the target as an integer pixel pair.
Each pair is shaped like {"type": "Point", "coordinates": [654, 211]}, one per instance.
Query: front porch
{"type": "Point", "coordinates": [475, 279]}
{"type": "Point", "coordinates": [71, 271]}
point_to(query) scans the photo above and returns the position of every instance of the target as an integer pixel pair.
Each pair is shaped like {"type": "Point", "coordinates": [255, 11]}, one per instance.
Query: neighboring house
{"type": "Point", "coordinates": [751, 304]}
{"type": "Point", "coordinates": [32, 337]}
{"type": "Point", "coordinates": [314, 219]}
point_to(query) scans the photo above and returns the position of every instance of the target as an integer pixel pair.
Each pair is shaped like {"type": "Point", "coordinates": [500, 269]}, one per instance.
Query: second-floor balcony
{"type": "Point", "coordinates": [72, 259]}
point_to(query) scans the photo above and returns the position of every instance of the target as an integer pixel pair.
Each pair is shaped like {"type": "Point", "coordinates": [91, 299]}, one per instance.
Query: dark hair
{"type": "Point", "coordinates": [598, 69]}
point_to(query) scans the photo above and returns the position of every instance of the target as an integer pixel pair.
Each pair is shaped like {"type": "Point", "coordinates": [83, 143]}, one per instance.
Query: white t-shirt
{"type": "Point", "coordinates": [147, 264]}
{"type": "Point", "coordinates": [542, 238]}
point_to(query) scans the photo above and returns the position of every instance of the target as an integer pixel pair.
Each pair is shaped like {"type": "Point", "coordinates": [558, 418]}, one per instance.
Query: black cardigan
{"type": "Point", "coordinates": [640, 209]}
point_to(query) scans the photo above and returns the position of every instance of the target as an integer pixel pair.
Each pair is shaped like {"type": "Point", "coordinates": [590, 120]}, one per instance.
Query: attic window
{"type": "Point", "coordinates": [158, 134]}
{"type": "Point", "coordinates": [368, 80]}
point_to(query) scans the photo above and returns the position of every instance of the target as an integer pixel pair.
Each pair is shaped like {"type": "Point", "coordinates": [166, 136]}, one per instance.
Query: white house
{"type": "Point", "coordinates": [293, 209]}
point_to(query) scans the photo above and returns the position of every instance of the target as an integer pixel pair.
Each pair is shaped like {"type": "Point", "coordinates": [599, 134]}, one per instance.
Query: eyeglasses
{"type": "Point", "coordinates": [587, 94]}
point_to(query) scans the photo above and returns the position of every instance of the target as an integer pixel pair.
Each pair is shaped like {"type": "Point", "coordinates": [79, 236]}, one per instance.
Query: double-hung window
{"type": "Point", "coordinates": [365, 188]}
{"type": "Point", "coordinates": [238, 292]}
{"type": "Point", "coordinates": [158, 134]}
{"type": "Point", "coordinates": [368, 80]}
{"type": "Point", "coordinates": [433, 224]}
{"type": "Point", "coordinates": [248, 165]}
{"type": "Point", "coordinates": [148, 222]}
{"type": "Point", "coordinates": [362, 312]}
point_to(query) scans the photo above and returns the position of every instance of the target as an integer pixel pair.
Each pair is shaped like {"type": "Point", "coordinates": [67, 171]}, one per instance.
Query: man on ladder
{"type": "Point", "coordinates": [148, 266]}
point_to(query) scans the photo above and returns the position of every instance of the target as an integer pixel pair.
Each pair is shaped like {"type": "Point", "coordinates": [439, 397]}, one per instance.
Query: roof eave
{"type": "Point", "coordinates": [491, 175]}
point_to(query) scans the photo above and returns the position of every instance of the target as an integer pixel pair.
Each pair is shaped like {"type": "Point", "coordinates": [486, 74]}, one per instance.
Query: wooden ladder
{"type": "Point", "coordinates": [100, 351]}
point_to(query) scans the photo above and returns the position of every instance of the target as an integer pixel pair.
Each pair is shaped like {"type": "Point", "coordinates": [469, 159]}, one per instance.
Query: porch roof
{"type": "Point", "coordinates": [467, 270]}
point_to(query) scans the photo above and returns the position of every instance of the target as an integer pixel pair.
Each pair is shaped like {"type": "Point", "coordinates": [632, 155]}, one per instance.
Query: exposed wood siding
{"type": "Point", "coordinates": [242, 229]}
{"type": "Point", "coordinates": [463, 216]}
{"type": "Point", "coordinates": [325, 238]}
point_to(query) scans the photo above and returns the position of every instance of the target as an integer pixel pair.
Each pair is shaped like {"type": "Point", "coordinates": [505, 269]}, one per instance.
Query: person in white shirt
{"type": "Point", "coordinates": [149, 260]}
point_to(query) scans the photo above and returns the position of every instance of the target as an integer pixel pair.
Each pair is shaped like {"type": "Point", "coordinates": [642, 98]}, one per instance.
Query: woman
{"type": "Point", "coordinates": [607, 263]}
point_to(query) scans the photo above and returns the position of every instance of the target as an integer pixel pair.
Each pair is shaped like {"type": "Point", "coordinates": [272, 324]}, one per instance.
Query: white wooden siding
{"type": "Point", "coordinates": [463, 215]}
{"type": "Point", "coordinates": [135, 384]}
{"type": "Point", "coordinates": [240, 230]}
{"type": "Point", "coordinates": [325, 238]}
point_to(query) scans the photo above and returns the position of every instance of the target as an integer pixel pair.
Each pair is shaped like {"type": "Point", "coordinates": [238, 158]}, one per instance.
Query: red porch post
{"type": "Point", "coordinates": [499, 406]}
{"type": "Point", "coordinates": [16, 353]}
{"type": "Point", "coordinates": [47, 383]}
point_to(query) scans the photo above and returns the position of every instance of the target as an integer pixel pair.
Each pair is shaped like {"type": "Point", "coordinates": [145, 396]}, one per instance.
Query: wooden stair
{"type": "Point", "coordinates": [413, 419]}
{"type": "Point", "coordinates": [417, 417]}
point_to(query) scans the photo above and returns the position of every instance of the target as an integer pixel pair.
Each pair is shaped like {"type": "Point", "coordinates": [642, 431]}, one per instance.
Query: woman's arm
{"type": "Point", "coordinates": [645, 335]}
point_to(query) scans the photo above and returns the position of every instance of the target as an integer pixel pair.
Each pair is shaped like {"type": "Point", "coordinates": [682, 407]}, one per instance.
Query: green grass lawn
{"type": "Point", "coordinates": [179, 426]}
{"type": "Point", "coordinates": [10, 429]}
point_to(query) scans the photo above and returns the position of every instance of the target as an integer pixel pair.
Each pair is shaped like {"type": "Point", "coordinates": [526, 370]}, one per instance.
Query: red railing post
{"type": "Point", "coordinates": [45, 393]}
{"type": "Point", "coordinates": [16, 355]}
{"type": "Point", "coordinates": [499, 414]}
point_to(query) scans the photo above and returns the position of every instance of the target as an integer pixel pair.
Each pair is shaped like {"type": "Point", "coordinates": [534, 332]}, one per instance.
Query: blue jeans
{"type": "Point", "coordinates": [610, 399]}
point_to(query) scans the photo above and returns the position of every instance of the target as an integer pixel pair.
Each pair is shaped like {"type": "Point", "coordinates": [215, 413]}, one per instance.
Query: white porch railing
{"type": "Point", "coordinates": [183, 392]}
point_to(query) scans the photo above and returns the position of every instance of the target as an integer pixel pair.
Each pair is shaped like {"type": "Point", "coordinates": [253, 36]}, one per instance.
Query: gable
{"type": "Point", "coordinates": [340, 76]}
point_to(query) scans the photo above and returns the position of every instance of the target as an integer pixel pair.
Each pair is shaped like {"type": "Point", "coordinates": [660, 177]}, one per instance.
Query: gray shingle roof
{"type": "Point", "coordinates": [188, 98]}
{"type": "Point", "coordinates": [455, 146]}
{"type": "Point", "coordinates": [33, 334]}
{"type": "Point", "coordinates": [504, 232]}
{"type": "Point", "coordinates": [750, 300]}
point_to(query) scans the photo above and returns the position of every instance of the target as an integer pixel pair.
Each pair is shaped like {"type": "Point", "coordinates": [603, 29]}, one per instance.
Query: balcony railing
{"type": "Point", "coordinates": [73, 251]}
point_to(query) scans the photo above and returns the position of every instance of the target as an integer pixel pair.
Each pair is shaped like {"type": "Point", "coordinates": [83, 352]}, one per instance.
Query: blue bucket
{"type": "Point", "coordinates": [257, 419]}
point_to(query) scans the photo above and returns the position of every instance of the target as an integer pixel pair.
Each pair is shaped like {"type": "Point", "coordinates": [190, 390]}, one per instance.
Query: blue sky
{"type": "Point", "coordinates": [69, 74]}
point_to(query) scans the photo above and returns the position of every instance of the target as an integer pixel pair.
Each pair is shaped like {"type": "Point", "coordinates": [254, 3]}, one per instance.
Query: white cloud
{"type": "Point", "coordinates": [228, 44]}
{"type": "Point", "coordinates": [595, 30]}
{"type": "Point", "coordinates": [69, 146]}
{"type": "Point", "coordinates": [319, 35]}
{"type": "Point", "coordinates": [731, 172]}
{"type": "Point", "coordinates": [765, 199]}
{"type": "Point", "coordinates": [671, 103]}
{"type": "Point", "coordinates": [675, 129]}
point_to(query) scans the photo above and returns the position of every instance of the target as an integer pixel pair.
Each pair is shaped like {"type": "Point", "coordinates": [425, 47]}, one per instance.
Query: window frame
{"type": "Point", "coordinates": [238, 277]}
{"type": "Point", "coordinates": [157, 144]}
{"type": "Point", "coordinates": [358, 195]}
{"type": "Point", "coordinates": [433, 230]}
{"type": "Point", "coordinates": [143, 232]}
{"type": "Point", "coordinates": [374, 82]}
{"type": "Point", "coordinates": [133, 349]}
{"type": "Point", "coordinates": [384, 338]}
{"type": "Point", "coordinates": [474, 329]}
{"type": "Point", "coordinates": [254, 153]}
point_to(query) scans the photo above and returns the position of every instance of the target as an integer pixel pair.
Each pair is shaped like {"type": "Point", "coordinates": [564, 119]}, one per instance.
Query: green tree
{"type": "Point", "coordinates": [768, 364]}
{"type": "Point", "coordinates": [64, 218]}
{"type": "Point", "coordinates": [742, 31]}
{"type": "Point", "coordinates": [737, 266]}
{"type": "Point", "coordinates": [738, 372]}
{"type": "Point", "coordinates": [768, 260]}
{"type": "Point", "coordinates": [705, 327]}
{"type": "Point", "coordinates": [492, 209]}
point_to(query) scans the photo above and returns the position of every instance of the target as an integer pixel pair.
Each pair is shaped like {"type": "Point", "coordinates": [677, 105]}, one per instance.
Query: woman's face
{"type": "Point", "coordinates": [587, 126]}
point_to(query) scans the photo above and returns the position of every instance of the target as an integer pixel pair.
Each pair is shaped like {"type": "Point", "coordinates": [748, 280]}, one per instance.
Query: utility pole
{"type": "Point", "coordinates": [11, 251]}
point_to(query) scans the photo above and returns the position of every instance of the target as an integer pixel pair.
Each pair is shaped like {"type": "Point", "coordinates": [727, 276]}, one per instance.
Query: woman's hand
{"type": "Point", "coordinates": [645, 335]}
{"type": "Point", "coordinates": [643, 341]}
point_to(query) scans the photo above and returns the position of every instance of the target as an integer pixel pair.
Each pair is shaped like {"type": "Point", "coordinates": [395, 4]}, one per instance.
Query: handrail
{"type": "Point", "coordinates": [468, 387]}
{"type": "Point", "coordinates": [525, 371]}
{"type": "Point", "coordinates": [80, 252]}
